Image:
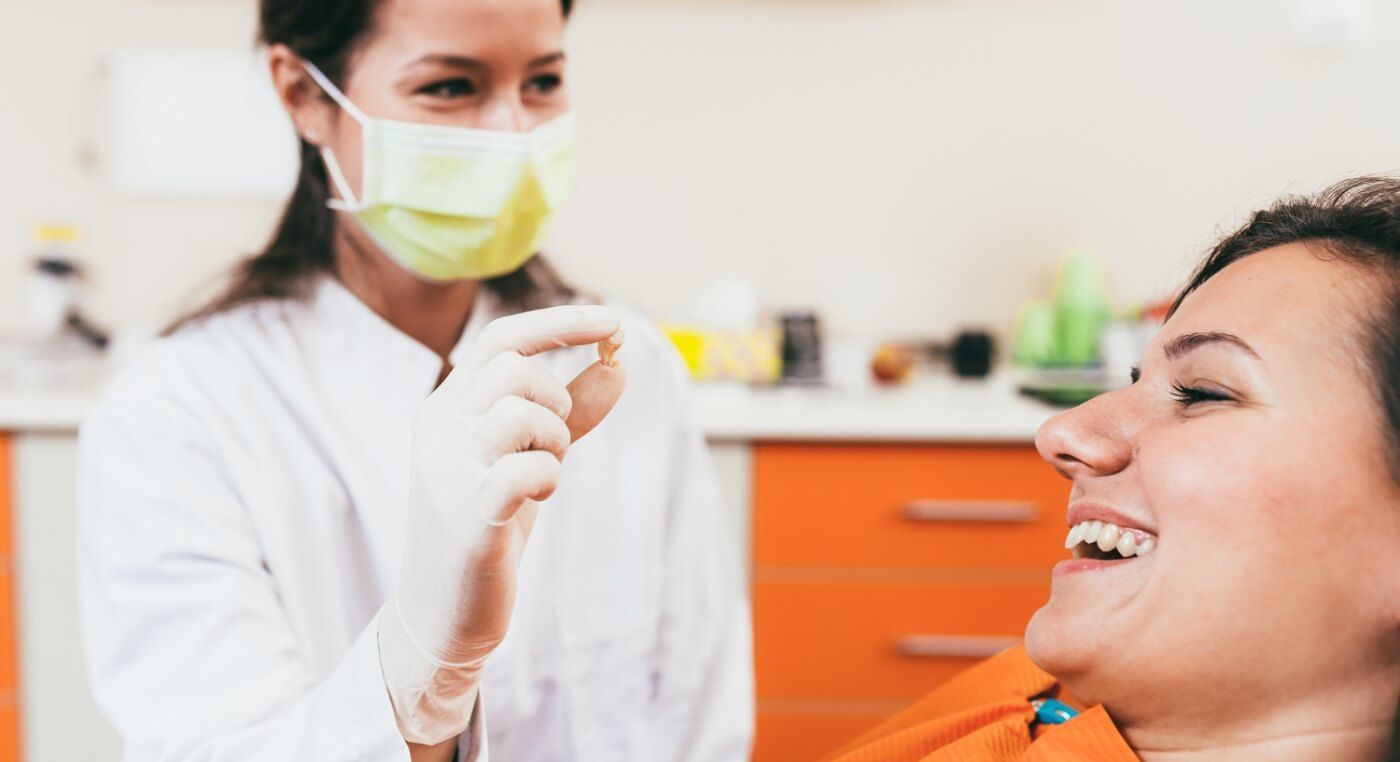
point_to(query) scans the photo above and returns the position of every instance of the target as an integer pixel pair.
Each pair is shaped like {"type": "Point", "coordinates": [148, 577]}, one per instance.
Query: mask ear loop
{"type": "Point", "coordinates": [327, 155]}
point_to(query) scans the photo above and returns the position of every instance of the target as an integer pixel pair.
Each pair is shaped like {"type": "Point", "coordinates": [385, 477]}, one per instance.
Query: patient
{"type": "Point", "coordinates": [1258, 451]}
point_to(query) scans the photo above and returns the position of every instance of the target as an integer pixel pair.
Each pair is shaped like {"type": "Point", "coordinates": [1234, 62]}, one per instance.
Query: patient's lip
{"type": "Point", "coordinates": [1073, 565]}
{"type": "Point", "coordinates": [1088, 511]}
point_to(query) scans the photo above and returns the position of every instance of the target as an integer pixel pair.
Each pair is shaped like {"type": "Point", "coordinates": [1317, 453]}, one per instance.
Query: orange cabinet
{"type": "Point", "coordinates": [907, 506]}
{"type": "Point", "coordinates": [852, 639]}
{"type": "Point", "coordinates": [9, 676]}
{"type": "Point", "coordinates": [880, 571]}
{"type": "Point", "coordinates": [813, 730]}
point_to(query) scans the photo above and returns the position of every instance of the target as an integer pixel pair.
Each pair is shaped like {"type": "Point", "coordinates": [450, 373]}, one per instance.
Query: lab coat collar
{"type": "Point", "coordinates": [485, 308]}
{"type": "Point", "coordinates": [373, 348]}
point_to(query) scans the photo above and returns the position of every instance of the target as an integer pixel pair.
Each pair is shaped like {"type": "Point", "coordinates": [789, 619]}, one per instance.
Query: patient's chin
{"type": "Point", "coordinates": [1084, 654]}
{"type": "Point", "coordinates": [1060, 644]}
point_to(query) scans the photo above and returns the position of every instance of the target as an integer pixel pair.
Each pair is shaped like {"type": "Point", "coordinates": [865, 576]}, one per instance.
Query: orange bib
{"type": "Point", "coordinates": [985, 715]}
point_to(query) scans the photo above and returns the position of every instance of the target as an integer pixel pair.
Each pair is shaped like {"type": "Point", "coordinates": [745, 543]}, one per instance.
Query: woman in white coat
{"type": "Point", "coordinates": [308, 514]}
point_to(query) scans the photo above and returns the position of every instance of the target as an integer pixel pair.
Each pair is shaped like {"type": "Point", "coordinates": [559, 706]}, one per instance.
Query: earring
{"type": "Point", "coordinates": [312, 135]}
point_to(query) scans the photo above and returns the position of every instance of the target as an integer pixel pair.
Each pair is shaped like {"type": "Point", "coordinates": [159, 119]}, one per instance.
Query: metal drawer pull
{"type": "Point", "coordinates": [954, 646]}
{"type": "Point", "coordinates": [971, 510]}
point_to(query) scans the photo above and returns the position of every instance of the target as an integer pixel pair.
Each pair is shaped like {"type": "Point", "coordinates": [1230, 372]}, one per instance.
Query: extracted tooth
{"type": "Point", "coordinates": [1127, 545]}
{"type": "Point", "coordinates": [1146, 547]}
{"type": "Point", "coordinates": [1108, 537]}
{"type": "Point", "coordinates": [1075, 536]}
{"type": "Point", "coordinates": [1091, 532]}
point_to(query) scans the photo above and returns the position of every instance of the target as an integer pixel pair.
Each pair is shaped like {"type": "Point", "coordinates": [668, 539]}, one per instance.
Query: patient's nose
{"type": "Point", "coordinates": [1094, 439]}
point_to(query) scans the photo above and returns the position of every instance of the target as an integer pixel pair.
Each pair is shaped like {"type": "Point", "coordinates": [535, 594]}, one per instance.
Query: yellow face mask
{"type": "Point", "coordinates": [450, 203]}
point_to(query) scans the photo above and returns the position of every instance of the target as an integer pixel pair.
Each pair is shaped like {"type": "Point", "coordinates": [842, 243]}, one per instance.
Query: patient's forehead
{"type": "Point", "coordinates": [1290, 302]}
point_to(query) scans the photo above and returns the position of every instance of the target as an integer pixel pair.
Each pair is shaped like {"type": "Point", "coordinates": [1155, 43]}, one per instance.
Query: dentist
{"type": "Point", "coordinates": [348, 510]}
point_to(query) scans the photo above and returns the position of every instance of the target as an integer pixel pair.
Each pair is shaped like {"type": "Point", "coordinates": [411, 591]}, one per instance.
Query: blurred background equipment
{"type": "Point", "coordinates": [1074, 347]}
{"type": "Point", "coordinates": [802, 348]}
{"type": "Point", "coordinates": [53, 288]}
{"type": "Point", "coordinates": [893, 363]}
{"type": "Point", "coordinates": [53, 279]}
{"type": "Point", "coordinates": [973, 353]}
{"type": "Point", "coordinates": [724, 335]}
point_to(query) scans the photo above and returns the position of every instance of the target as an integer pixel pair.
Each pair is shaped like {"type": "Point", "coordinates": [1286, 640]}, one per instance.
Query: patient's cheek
{"type": "Point", "coordinates": [1225, 486]}
{"type": "Point", "coordinates": [1204, 477]}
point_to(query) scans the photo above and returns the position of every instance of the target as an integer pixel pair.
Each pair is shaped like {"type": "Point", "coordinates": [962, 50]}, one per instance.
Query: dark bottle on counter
{"type": "Point", "coordinates": [802, 348]}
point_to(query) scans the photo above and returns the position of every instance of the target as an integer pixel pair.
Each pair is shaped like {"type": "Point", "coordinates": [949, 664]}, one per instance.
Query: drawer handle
{"type": "Point", "coordinates": [954, 646]}
{"type": "Point", "coordinates": [972, 510]}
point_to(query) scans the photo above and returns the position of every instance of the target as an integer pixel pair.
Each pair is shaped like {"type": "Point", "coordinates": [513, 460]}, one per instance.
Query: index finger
{"type": "Point", "coordinates": [530, 333]}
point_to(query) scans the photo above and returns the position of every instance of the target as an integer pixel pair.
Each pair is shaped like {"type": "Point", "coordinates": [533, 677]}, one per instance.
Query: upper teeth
{"type": "Point", "coordinates": [1128, 542]}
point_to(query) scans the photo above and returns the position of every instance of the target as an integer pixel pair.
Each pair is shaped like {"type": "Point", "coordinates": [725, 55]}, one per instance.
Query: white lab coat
{"type": "Point", "coordinates": [242, 495]}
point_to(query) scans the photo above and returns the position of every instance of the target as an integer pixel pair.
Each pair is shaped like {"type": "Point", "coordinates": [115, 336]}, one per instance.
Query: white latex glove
{"type": "Point", "coordinates": [487, 445]}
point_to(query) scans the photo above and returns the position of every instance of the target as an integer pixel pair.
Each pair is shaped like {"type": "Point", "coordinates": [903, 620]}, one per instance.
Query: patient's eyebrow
{"type": "Point", "coordinates": [1189, 342]}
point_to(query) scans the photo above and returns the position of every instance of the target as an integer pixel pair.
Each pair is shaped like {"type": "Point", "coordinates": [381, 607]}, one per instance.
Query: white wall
{"type": "Point", "coordinates": [907, 166]}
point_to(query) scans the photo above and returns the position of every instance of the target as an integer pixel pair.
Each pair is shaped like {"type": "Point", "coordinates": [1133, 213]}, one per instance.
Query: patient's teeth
{"type": "Point", "coordinates": [1108, 537]}
{"type": "Point", "coordinates": [1127, 545]}
{"type": "Point", "coordinates": [1076, 535]}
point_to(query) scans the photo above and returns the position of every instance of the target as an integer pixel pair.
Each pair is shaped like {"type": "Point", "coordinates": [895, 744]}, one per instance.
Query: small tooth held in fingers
{"type": "Point", "coordinates": [1147, 546]}
{"type": "Point", "coordinates": [607, 349]}
{"type": "Point", "coordinates": [1127, 545]}
{"type": "Point", "coordinates": [1108, 537]}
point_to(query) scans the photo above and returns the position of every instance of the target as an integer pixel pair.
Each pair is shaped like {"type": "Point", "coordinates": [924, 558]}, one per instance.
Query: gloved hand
{"type": "Point", "coordinates": [487, 445]}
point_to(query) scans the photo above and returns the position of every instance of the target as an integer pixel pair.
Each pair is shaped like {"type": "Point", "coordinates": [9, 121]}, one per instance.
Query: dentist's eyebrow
{"type": "Point", "coordinates": [447, 59]}
{"type": "Point", "coordinates": [467, 62]}
{"type": "Point", "coordinates": [546, 60]}
{"type": "Point", "coordinates": [1189, 342]}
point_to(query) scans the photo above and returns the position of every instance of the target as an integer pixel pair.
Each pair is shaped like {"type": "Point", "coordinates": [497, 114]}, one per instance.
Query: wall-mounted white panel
{"type": "Point", "coordinates": [1338, 25]}
{"type": "Point", "coordinates": [200, 125]}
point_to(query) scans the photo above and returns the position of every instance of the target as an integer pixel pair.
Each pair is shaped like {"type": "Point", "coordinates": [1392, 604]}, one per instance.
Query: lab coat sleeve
{"type": "Point", "coordinates": [705, 700]}
{"type": "Point", "coordinates": [189, 652]}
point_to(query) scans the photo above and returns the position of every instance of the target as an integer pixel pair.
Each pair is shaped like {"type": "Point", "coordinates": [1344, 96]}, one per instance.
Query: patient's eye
{"type": "Point", "coordinates": [1186, 396]}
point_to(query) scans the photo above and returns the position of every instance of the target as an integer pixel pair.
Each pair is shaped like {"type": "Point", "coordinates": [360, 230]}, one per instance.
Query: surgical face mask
{"type": "Point", "coordinates": [450, 203]}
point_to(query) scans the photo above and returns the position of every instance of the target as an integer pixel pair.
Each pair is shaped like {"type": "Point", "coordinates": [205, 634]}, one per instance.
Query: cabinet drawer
{"type": "Point", "coordinates": [837, 639]}
{"type": "Point", "coordinates": [907, 506]}
{"type": "Point", "coordinates": [783, 736]}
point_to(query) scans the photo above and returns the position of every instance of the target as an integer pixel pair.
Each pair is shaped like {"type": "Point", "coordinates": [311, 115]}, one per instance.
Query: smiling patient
{"type": "Point", "coordinates": [1235, 517]}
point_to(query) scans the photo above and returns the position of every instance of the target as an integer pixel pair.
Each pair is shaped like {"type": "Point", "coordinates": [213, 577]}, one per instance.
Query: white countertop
{"type": "Point", "coordinates": [26, 410]}
{"type": "Point", "coordinates": [933, 409]}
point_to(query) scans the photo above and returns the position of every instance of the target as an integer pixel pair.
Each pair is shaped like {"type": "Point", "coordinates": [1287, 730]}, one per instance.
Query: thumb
{"type": "Point", "coordinates": [596, 390]}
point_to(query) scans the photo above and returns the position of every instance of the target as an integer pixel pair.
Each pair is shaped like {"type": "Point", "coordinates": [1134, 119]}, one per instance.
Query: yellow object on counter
{"type": "Point", "coordinates": [56, 233]}
{"type": "Point", "coordinates": [709, 355]}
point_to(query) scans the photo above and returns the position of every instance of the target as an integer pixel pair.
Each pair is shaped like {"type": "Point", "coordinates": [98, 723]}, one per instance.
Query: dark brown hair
{"type": "Point", "coordinates": [1356, 221]}
{"type": "Point", "coordinates": [327, 33]}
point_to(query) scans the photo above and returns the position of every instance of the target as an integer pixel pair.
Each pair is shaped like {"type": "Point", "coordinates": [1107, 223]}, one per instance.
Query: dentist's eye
{"type": "Point", "coordinates": [545, 84]}
{"type": "Point", "coordinates": [449, 88]}
{"type": "Point", "coordinates": [1186, 396]}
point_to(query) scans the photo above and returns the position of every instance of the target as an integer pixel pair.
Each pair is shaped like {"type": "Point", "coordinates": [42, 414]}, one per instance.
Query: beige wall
{"type": "Point", "coordinates": [904, 165]}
